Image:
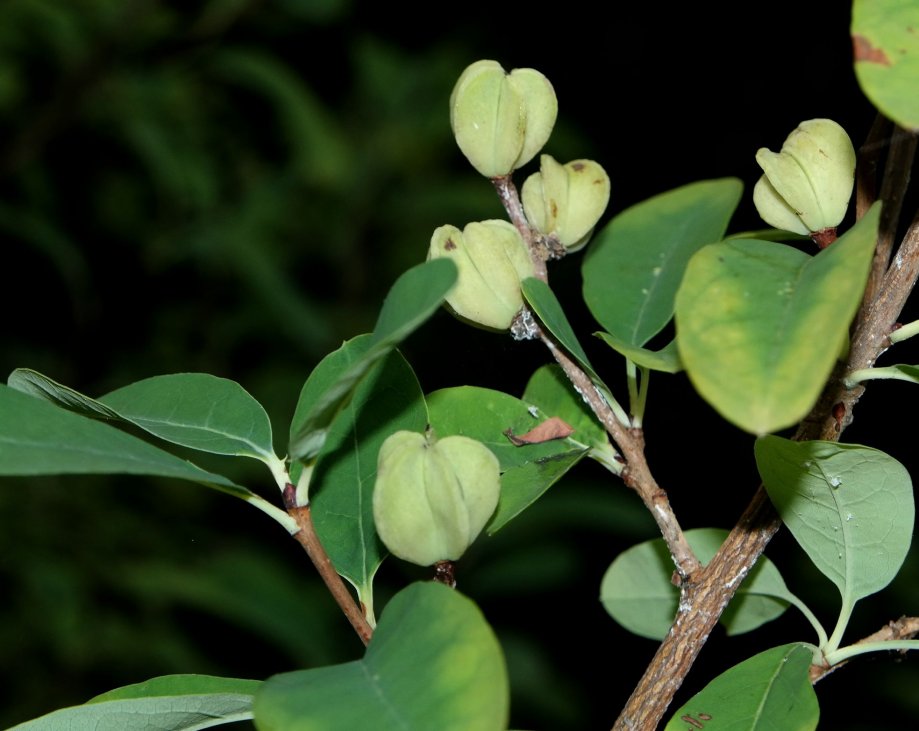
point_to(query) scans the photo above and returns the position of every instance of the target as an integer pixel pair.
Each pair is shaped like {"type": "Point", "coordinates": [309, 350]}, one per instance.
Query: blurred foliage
{"type": "Point", "coordinates": [231, 186]}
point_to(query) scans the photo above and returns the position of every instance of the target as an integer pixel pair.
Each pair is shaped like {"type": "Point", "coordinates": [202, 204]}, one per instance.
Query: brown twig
{"type": "Point", "coordinates": [307, 538]}
{"type": "Point", "coordinates": [902, 150]}
{"type": "Point", "coordinates": [636, 474]}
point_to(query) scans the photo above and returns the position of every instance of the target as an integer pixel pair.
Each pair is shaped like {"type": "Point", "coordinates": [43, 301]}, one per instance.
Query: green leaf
{"type": "Point", "coordinates": [37, 384]}
{"type": "Point", "coordinates": [770, 691]}
{"type": "Point", "coordinates": [886, 55]}
{"type": "Point", "coordinates": [199, 411]}
{"type": "Point", "coordinates": [38, 438]}
{"type": "Point", "coordinates": [175, 702]}
{"type": "Point", "coordinates": [638, 593]}
{"type": "Point", "coordinates": [748, 316]}
{"type": "Point", "coordinates": [850, 507]}
{"type": "Point", "coordinates": [634, 266]}
{"type": "Point", "coordinates": [412, 299]}
{"type": "Point", "coordinates": [195, 410]}
{"type": "Point", "coordinates": [526, 471]}
{"type": "Point", "coordinates": [665, 360]}
{"type": "Point", "coordinates": [341, 490]}
{"type": "Point", "coordinates": [433, 663]}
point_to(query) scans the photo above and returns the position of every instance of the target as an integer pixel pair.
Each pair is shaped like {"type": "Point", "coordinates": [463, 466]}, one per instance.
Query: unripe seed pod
{"type": "Point", "coordinates": [806, 186]}
{"type": "Point", "coordinates": [491, 259]}
{"type": "Point", "coordinates": [432, 498]}
{"type": "Point", "coordinates": [566, 201]}
{"type": "Point", "coordinates": [500, 120]}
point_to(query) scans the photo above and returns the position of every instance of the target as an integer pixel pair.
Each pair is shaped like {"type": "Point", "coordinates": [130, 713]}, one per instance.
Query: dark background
{"type": "Point", "coordinates": [232, 186]}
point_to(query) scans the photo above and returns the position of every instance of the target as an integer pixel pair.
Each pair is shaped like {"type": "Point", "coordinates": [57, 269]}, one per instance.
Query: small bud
{"type": "Point", "coordinates": [501, 120]}
{"type": "Point", "coordinates": [566, 201]}
{"type": "Point", "coordinates": [491, 259]}
{"type": "Point", "coordinates": [806, 186]}
{"type": "Point", "coordinates": [432, 498]}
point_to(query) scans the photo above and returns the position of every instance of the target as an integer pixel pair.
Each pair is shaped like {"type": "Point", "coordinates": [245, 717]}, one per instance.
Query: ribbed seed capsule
{"type": "Point", "coordinates": [566, 201]}
{"type": "Point", "coordinates": [806, 187]}
{"type": "Point", "coordinates": [500, 120]}
{"type": "Point", "coordinates": [432, 497]}
{"type": "Point", "coordinates": [491, 259]}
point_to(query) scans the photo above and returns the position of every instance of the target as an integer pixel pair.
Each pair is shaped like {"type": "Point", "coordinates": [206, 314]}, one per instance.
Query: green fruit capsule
{"type": "Point", "coordinates": [566, 201]}
{"type": "Point", "coordinates": [806, 187]}
{"type": "Point", "coordinates": [491, 259]}
{"type": "Point", "coordinates": [500, 120]}
{"type": "Point", "coordinates": [432, 497]}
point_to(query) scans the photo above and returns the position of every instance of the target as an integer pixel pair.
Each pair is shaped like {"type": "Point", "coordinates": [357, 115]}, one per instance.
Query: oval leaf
{"type": "Point", "coordinates": [769, 691]}
{"type": "Point", "coordinates": [433, 663]}
{"type": "Point", "coordinates": [341, 490]}
{"type": "Point", "coordinates": [635, 264]}
{"type": "Point", "coordinates": [885, 46]}
{"type": "Point", "coordinates": [175, 702]}
{"type": "Point", "coordinates": [638, 593]}
{"type": "Point", "coordinates": [37, 438]}
{"type": "Point", "coordinates": [760, 325]}
{"type": "Point", "coordinates": [199, 411]}
{"type": "Point", "coordinates": [412, 299]}
{"type": "Point", "coordinates": [526, 471]}
{"type": "Point", "coordinates": [851, 508]}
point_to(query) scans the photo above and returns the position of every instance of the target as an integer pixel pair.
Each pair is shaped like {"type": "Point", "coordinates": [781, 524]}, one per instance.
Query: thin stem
{"type": "Point", "coordinates": [273, 511]}
{"type": "Point", "coordinates": [630, 440]}
{"type": "Point", "coordinates": [636, 473]}
{"type": "Point", "coordinates": [810, 617]}
{"type": "Point", "coordinates": [904, 332]}
{"type": "Point", "coordinates": [844, 653]}
{"type": "Point", "coordinates": [631, 376]}
{"type": "Point", "coordinates": [302, 491]}
{"type": "Point", "coordinates": [306, 537]}
{"type": "Point", "coordinates": [845, 614]}
{"type": "Point", "coordinates": [644, 381]}
{"type": "Point", "coordinates": [510, 199]}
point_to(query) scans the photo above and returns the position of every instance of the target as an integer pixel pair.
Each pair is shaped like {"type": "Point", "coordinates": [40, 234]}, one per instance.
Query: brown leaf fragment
{"type": "Point", "coordinates": [552, 428]}
{"type": "Point", "coordinates": [864, 51]}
